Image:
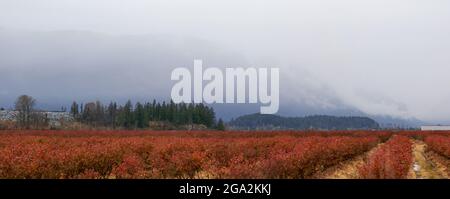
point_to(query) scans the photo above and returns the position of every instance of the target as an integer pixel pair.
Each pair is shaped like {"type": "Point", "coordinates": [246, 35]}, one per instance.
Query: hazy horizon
{"type": "Point", "coordinates": [373, 57]}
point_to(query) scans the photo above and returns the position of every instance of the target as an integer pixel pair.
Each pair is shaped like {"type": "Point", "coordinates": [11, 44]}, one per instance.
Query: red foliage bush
{"type": "Point", "coordinates": [314, 154]}
{"type": "Point", "coordinates": [390, 161]}
{"type": "Point", "coordinates": [131, 167]}
{"type": "Point", "coordinates": [166, 154]}
{"type": "Point", "coordinates": [439, 144]}
{"type": "Point", "coordinates": [421, 135]}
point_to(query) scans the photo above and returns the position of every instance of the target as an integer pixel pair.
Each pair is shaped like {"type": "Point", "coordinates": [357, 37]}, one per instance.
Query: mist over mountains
{"type": "Point", "coordinates": [57, 67]}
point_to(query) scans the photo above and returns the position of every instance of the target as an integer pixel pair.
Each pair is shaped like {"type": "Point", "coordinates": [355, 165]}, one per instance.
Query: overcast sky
{"type": "Point", "coordinates": [377, 56]}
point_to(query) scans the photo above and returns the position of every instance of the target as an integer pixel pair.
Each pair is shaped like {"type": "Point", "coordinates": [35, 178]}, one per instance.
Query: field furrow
{"type": "Point", "coordinates": [222, 155]}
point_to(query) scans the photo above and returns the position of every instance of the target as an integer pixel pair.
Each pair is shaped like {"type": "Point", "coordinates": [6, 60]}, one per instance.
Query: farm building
{"type": "Point", "coordinates": [54, 117]}
{"type": "Point", "coordinates": [435, 128]}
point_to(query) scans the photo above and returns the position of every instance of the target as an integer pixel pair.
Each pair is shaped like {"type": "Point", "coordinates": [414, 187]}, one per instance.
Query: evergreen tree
{"type": "Point", "coordinates": [139, 116]}
{"type": "Point", "coordinates": [112, 114]}
{"type": "Point", "coordinates": [220, 125]}
{"type": "Point", "coordinates": [94, 113]}
{"type": "Point", "coordinates": [126, 116]}
{"type": "Point", "coordinates": [74, 109]}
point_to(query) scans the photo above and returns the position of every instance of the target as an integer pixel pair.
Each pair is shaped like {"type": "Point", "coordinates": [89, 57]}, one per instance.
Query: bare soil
{"type": "Point", "coordinates": [441, 163]}
{"type": "Point", "coordinates": [424, 167]}
{"type": "Point", "coordinates": [347, 169]}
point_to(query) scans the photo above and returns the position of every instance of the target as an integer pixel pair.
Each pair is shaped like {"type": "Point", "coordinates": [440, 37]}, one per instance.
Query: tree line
{"type": "Point", "coordinates": [141, 115]}
{"type": "Point", "coordinates": [128, 116]}
{"type": "Point", "coordinates": [315, 122]}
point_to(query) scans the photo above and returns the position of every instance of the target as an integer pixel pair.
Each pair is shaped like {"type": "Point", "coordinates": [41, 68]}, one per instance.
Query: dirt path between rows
{"type": "Point", "coordinates": [423, 167]}
{"type": "Point", "coordinates": [347, 169]}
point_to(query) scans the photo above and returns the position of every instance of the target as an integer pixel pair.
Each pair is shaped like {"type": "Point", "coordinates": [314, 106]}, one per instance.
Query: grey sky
{"type": "Point", "coordinates": [378, 56]}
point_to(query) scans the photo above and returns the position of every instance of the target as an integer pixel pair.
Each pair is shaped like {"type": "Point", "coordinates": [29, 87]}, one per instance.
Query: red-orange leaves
{"type": "Point", "coordinates": [439, 144]}
{"type": "Point", "coordinates": [130, 167]}
{"type": "Point", "coordinates": [314, 154]}
{"type": "Point", "coordinates": [150, 154]}
{"type": "Point", "coordinates": [390, 161]}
